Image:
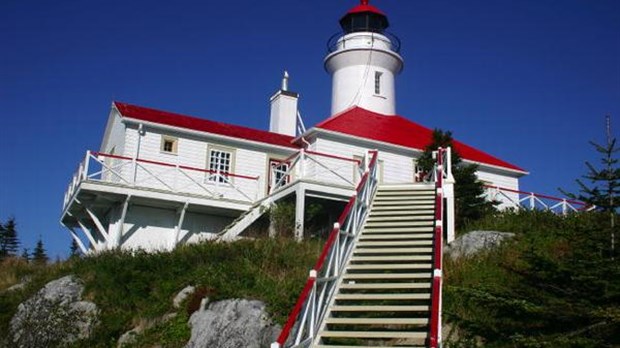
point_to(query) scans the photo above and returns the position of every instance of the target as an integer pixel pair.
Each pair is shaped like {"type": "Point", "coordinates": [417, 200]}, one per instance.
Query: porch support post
{"type": "Point", "coordinates": [177, 229]}
{"type": "Point", "coordinates": [88, 234]}
{"type": "Point", "coordinates": [98, 224]}
{"type": "Point", "coordinates": [300, 195]}
{"type": "Point", "coordinates": [121, 224]}
{"type": "Point", "coordinates": [78, 241]}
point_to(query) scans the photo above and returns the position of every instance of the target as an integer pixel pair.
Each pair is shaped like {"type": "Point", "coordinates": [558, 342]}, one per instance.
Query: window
{"type": "Point", "coordinates": [169, 144]}
{"type": "Point", "coordinates": [378, 82]}
{"type": "Point", "coordinates": [220, 163]}
{"type": "Point", "coordinates": [278, 173]}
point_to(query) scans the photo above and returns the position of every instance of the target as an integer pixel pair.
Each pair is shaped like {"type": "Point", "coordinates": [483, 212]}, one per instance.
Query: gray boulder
{"type": "Point", "coordinates": [55, 316]}
{"type": "Point", "coordinates": [474, 242]}
{"type": "Point", "coordinates": [232, 323]}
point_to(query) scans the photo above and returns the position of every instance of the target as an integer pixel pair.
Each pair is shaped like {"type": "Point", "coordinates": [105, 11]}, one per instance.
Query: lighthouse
{"type": "Point", "coordinates": [363, 61]}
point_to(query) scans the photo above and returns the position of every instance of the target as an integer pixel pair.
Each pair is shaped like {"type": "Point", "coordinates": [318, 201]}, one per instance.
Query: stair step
{"type": "Point", "coordinates": [375, 276]}
{"type": "Point", "coordinates": [379, 308]}
{"type": "Point", "coordinates": [398, 213]}
{"type": "Point", "coordinates": [430, 215]}
{"type": "Point", "coordinates": [428, 228]}
{"type": "Point", "coordinates": [330, 346]}
{"type": "Point", "coordinates": [421, 296]}
{"type": "Point", "coordinates": [422, 221]}
{"type": "Point", "coordinates": [377, 208]}
{"type": "Point", "coordinates": [410, 186]}
{"type": "Point", "coordinates": [383, 198]}
{"type": "Point", "coordinates": [373, 334]}
{"type": "Point", "coordinates": [378, 321]}
{"type": "Point", "coordinates": [371, 286]}
{"type": "Point", "coordinates": [374, 243]}
{"type": "Point", "coordinates": [405, 192]}
{"type": "Point", "coordinates": [406, 202]}
{"type": "Point", "coordinates": [398, 230]}
{"type": "Point", "coordinates": [389, 266]}
{"type": "Point", "coordinates": [394, 258]}
{"type": "Point", "coordinates": [392, 250]}
{"type": "Point", "coordinates": [395, 236]}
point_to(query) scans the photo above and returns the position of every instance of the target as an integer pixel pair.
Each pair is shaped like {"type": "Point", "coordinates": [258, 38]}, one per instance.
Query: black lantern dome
{"type": "Point", "coordinates": [364, 17]}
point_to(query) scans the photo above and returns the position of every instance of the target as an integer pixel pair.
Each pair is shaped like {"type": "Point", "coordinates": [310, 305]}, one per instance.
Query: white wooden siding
{"type": "Point", "coordinates": [193, 152]}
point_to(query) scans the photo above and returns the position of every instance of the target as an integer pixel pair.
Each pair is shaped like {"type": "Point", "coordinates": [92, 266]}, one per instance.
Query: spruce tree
{"type": "Point", "coordinates": [604, 182]}
{"type": "Point", "coordinates": [470, 203]}
{"type": "Point", "coordinates": [74, 249]}
{"type": "Point", "coordinates": [39, 255]}
{"type": "Point", "coordinates": [26, 255]}
{"type": "Point", "coordinates": [9, 243]}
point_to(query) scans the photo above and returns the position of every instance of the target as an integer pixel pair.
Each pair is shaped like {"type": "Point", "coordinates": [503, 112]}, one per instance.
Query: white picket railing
{"type": "Point", "coordinates": [148, 174]}
{"type": "Point", "coordinates": [314, 166]}
{"type": "Point", "coordinates": [515, 199]}
{"type": "Point", "coordinates": [304, 319]}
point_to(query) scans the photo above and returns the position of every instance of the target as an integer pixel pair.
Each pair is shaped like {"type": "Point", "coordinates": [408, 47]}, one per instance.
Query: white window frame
{"type": "Point", "coordinates": [222, 164]}
{"type": "Point", "coordinates": [174, 142]}
{"type": "Point", "coordinates": [378, 75]}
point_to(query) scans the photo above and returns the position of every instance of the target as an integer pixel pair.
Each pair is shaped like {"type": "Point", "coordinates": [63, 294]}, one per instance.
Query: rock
{"type": "Point", "coordinates": [182, 296]}
{"type": "Point", "coordinates": [54, 316]}
{"type": "Point", "coordinates": [474, 242]}
{"type": "Point", "coordinates": [130, 336]}
{"type": "Point", "coordinates": [232, 324]}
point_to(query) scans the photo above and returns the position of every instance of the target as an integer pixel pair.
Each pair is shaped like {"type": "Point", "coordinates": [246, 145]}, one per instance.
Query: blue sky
{"type": "Point", "coordinates": [528, 81]}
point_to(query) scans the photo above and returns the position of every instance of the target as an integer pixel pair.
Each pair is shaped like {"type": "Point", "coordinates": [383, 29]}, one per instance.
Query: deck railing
{"type": "Point", "coordinates": [441, 173]}
{"type": "Point", "coordinates": [516, 199]}
{"type": "Point", "coordinates": [303, 322]}
{"type": "Point", "coordinates": [149, 174]}
{"type": "Point", "coordinates": [314, 166]}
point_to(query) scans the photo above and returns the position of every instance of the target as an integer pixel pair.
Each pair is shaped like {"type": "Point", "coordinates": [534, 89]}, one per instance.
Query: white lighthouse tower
{"type": "Point", "coordinates": [363, 62]}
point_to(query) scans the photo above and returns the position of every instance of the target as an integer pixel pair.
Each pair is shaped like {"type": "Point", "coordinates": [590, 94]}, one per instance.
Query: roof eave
{"type": "Point", "coordinates": [314, 130]}
{"type": "Point", "coordinates": [127, 119]}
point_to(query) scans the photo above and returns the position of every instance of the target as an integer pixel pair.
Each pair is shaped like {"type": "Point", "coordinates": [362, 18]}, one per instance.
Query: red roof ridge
{"type": "Point", "coordinates": [201, 124]}
{"type": "Point", "coordinates": [399, 130]}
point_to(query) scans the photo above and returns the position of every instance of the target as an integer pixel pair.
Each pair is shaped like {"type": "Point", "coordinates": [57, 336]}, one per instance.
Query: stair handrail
{"type": "Point", "coordinates": [304, 320]}
{"type": "Point", "coordinates": [441, 173]}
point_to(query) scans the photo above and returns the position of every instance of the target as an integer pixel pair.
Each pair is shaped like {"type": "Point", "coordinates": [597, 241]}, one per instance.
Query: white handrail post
{"type": "Point", "coordinates": [302, 163]}
{"type": "Point", "coordinates": [532, 201]}
{"type": "Point", "coordinates": [86, 162]}
{"type": "Point", "coordinates": [564, 207]}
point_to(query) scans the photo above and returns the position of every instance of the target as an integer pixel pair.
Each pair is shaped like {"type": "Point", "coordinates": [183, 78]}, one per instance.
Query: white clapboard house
{"type": "Point", "coordinates": [161, 179]}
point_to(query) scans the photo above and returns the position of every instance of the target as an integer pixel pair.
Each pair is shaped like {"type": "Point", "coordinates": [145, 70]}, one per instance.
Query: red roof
{"type": "Point", "coordinates": [199, 124]}
{"type": "Point", "coordinates": [398, 130]}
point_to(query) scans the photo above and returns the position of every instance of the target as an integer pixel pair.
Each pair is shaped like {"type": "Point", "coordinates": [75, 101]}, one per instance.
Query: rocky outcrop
{"type": "Point", "coordinates": [130, 336]}
{"type": "Point", "coordinates": [232, 324]}
{"type": "Point", "coordinates": [54, 316]}
{"type": "Point", "coordinates": [474, 242]}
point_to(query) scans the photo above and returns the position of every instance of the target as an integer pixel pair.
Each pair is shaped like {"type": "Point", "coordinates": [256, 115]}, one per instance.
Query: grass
{"type": "Point", "coordinates": [553, 285]}
{"type": "Point", "coordinates": [133, 287]}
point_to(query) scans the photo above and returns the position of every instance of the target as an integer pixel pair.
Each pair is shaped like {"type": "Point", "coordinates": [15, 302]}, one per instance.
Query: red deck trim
{"type": "Point", "coordinates": [165, 164]}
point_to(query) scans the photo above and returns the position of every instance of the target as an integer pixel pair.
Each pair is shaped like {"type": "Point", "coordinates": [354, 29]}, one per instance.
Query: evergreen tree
{"type": "Point", "coordinates": [39, 255]}
{"type": "Point", "coordinates": [26, 255]}
{"type": "Point", "coordinates": [604, 182]}
{"type": "Point", "coordinates": [74, 249]}
{"type": "Point", "coordinates": [9, 243]}
{"type": "Point", "coordinates": [470, 203]}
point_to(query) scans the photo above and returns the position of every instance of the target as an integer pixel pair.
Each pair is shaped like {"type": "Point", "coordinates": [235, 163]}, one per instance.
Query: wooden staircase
{"type": "Point", "coordinates": [383, 298]}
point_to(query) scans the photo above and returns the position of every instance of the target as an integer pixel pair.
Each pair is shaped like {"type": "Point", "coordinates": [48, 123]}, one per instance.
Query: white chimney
{"type": "Point", "coordinates": [284, 110]}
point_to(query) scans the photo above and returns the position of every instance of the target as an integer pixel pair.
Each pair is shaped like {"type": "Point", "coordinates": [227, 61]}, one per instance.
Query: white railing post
{"type": "Point", "coordinates": [86, 165]}
{"type": "Point", "coordinates": [302, 163]}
